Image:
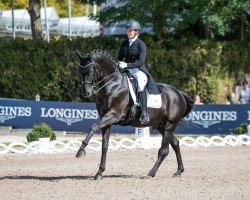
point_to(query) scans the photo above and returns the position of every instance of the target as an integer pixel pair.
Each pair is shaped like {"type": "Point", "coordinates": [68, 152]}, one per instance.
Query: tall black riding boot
{"type": "Point", "coordinates": [142, 97]}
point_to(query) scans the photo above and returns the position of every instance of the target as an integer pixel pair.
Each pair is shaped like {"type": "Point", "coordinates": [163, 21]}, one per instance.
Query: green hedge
{"type": "Point", "coordinates": [207, 68]}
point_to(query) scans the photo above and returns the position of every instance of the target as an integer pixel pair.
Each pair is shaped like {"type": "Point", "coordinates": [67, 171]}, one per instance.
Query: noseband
{"type": "Point", "coordinates": [96, 73]}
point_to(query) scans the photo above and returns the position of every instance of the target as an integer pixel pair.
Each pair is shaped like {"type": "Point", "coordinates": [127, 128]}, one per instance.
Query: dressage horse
{"type": "Point", "coordinates": [101, 75]}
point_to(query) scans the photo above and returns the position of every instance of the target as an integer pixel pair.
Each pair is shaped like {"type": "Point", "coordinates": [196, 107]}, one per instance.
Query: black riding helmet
{"type": "Point", "coordinates": [132, 24]}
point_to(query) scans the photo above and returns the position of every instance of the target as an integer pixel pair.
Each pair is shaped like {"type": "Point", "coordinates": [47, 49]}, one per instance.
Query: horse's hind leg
{"type": "Point", "coordinates": [105, 144]}
{"type": "Point", "coordinates": [164, 150]}
{"type": "Point", "coordinates": [162, 153]}
{"type": "Point", "coordinates": [176, 147]}
{"type": "Point", "coordinates": [85, 142]}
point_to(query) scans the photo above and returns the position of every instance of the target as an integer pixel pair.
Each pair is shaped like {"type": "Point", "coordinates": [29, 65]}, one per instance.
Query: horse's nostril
{"type": "Point", "coordinates": [87, 93]}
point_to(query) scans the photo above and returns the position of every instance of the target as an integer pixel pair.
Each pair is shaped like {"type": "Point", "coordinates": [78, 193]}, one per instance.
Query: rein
{"type": "Point", "coordinates": [97, 90]}
{"type": "Point", "coordinates": [94, 83]}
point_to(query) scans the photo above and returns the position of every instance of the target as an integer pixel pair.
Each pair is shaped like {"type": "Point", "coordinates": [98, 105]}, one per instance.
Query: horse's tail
{"type": "Point", "coordinates": [190, 103]}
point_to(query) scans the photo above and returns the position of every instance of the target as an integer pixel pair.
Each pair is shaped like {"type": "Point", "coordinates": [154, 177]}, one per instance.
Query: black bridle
{"type": "Point", "coordinates": [96, 73]}
{"type": "Point", "coordinates": [94, 82]}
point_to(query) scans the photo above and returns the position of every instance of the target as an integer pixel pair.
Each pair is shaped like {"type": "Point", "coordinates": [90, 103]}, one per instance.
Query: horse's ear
{"type": "Point", "coordinates": [78, 54]}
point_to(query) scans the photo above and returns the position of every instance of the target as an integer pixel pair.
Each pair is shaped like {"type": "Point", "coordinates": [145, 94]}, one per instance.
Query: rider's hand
{"type": "Point", "coordinates": [122, 65]}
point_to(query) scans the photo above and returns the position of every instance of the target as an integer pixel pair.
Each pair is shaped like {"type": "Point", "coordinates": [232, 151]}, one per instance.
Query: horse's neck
{"type": "Point", "coordinates": [115, 91]}
{"type": "Point", "coordinates": [107, 73]}
{"type": "Point", "coordinates": [116, 80]}
{"type": "Point", "coordinates": [107, 68]}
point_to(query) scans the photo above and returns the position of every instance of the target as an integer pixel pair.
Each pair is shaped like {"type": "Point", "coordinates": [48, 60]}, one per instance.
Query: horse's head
{"type": "Point", "coordinates": [89, 74]}
{"type": "Point", "coordinates": [98, 69]}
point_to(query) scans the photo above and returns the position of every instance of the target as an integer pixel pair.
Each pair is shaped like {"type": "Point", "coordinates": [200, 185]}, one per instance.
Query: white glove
{"type": "Point", "coordinates": [122, 65]}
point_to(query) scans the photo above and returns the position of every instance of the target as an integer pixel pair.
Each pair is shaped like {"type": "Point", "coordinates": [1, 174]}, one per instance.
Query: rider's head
{"type": "Point", "coordinates": [133, 28]}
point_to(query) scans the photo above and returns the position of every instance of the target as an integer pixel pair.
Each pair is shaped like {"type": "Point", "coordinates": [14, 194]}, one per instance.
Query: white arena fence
{"type": "Point", "coordinates": [56, 146]}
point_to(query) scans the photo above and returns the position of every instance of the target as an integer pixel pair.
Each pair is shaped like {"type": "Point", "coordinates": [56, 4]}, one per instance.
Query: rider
{"type": "Point", "coordinates": [133, 50]}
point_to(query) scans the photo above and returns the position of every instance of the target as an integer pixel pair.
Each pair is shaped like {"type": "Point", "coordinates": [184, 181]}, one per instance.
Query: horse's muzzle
{"type": "Point", "coordinates": [86, 93]}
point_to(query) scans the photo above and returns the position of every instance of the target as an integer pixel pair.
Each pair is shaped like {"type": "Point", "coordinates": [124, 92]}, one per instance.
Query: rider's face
{"type": "Point", "coordinates": [131, 33]}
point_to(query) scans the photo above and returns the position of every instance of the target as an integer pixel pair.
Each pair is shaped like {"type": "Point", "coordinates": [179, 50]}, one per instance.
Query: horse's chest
{"type": "Point", "coordinates": [102, 107]}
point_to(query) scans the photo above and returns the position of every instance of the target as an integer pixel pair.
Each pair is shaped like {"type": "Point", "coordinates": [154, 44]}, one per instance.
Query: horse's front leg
{"type": "Point", "coordinates": [85, 142]}
{"type": "Point", "coordinates": [105, 144]}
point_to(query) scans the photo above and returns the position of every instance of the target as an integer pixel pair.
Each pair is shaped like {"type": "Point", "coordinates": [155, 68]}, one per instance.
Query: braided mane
{"type": "Point", "coordinates": [100, 51]}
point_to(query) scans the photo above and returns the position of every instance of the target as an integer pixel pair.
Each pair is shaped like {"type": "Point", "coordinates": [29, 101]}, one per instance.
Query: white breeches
{"type": "Point", "coordinates": [141, 78]}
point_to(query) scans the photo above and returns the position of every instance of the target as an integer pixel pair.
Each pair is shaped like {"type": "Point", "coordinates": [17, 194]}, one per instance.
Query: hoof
{"type": "Point", "coordinates": [178, 173]}
{"type": "Point", "coordinates": [98, 177]}
{"type": "Point", "coordinates": [80, 153]}
{"type": "Point", "coordinates": [151, 174]}
{"type": "Point", "coordinates": [146, 176]}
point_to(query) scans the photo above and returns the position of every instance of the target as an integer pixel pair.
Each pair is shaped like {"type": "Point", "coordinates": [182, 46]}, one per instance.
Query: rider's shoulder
{"type": "Point", "coordinates": [141, 42]}
{"type": "Point", "coordinates": [125, 41]}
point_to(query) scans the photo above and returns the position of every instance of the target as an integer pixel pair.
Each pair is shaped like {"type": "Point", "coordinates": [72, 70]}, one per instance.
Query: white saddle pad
{"type": "Point", "coordinates": [153, 100]}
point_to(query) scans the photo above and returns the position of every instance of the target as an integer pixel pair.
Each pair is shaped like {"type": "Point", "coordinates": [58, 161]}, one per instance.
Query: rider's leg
{"type": "Point", "coordinates": [142, 93]}
{"type": "Point", "coordinates": [142, 97]}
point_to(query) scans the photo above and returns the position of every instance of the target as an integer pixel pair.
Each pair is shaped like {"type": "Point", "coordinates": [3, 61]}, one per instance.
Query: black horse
{"type": "Point", "coordinates": [101, 75]}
